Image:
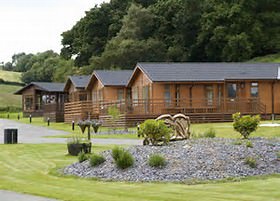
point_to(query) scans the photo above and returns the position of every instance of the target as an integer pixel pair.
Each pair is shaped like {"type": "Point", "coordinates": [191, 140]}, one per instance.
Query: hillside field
{"type": "Point", "coordinates": [10, 76]}
{"type": "Point", "coordinates": [7, 97]}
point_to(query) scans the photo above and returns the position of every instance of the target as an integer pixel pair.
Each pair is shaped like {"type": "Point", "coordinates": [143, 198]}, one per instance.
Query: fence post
{"type": "Point", "coordinates": [73, 125]}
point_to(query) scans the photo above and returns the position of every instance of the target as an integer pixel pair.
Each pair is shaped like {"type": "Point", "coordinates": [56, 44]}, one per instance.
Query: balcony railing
{"type": "Point", "coordinates": [86, 109]}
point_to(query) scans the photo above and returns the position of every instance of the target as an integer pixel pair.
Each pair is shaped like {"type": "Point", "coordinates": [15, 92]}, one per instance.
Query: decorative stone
{"type": "Point", "coordinates": [201, 159]}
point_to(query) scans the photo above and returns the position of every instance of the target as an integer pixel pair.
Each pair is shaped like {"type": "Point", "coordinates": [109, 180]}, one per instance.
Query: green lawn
{"type": "Point", "coordinates": [10, 76]}
{"type": "Point", "coordinates": [26, 168]}
{"type": "Point", "coordinates": [222, 129]}
{"type": "Point", "coordinates": [7, 97]}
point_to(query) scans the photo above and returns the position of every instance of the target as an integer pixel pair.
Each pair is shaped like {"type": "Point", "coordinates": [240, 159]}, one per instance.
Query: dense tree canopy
{"type": "Point", "coordinates": [45, 67]}
{"type": "Point", "coordinates": [121, 33]}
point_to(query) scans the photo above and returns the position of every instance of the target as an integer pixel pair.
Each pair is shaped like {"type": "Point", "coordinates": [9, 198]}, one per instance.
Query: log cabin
{"type": "Point", "coordinates": [205, 91]}
{"type": "Point", "coordinates": [78, 103]}
{"type": "Point", "coordinates": [43, 99]}
{"type": "Point", "coordinates": [104, 88]}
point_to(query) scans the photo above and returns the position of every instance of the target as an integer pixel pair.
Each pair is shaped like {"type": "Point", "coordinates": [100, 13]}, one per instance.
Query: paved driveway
{"type": "Point", "coordinates": [12, 196]}
{"type": "Point", "coordinates": [28, 133]}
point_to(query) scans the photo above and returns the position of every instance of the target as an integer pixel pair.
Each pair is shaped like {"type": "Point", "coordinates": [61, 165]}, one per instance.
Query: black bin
{"type": "Point", "coordinates": [10, 136]}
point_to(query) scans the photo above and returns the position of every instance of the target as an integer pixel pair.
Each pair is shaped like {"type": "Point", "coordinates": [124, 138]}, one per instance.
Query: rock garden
{"type": "Point", "coordinates": [167, 159]}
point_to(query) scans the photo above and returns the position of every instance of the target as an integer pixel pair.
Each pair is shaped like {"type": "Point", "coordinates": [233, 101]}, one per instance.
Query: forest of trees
{"type": "Point", "coordinates": [121, 33]}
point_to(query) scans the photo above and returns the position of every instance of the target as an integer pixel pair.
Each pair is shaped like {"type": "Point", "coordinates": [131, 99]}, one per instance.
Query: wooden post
{"type": "Point", "coordinates": [89, 133]}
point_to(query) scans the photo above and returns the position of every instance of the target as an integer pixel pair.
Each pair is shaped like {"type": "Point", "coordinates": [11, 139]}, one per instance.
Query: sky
{"type": "Point", "coordinates": [33, 26]}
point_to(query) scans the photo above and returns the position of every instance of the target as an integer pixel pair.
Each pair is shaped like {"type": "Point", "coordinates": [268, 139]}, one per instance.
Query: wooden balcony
{"type": "Point", "coordinates": [160, 106]}
{"type": "Point", "coordinates": [138, 110]}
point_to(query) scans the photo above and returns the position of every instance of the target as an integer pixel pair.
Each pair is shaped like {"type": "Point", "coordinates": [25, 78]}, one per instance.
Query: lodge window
{"type": "Point", "coordinates": [167, 94]}
{"type": "Point", "coordinates": [177, 95]}
{"type": "Point", "coordinates": [135, 95]}
{"type": "Point", "coordinates": [209, 95]}
{"type": "Point", "coordinates": [28, 103]}
{"type": "Point", "coordinates": [82, 97]}
{"type": "Point", "coordinates": [120, 94]}
{"type": "Point", "coordinates": [254, 89]}
{"type": "Point", "coordinates": [231, 88]}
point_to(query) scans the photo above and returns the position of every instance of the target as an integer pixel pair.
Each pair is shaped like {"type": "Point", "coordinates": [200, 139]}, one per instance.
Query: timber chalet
{"type": "Point", "coordinates": [204, 91]}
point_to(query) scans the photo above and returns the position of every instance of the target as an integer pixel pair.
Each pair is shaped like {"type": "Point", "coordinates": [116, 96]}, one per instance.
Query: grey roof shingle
{"type": "Point", "coordinates": [113, 78]}
{"type": "Point", "coordinates": [80, 81]}
{"type": "Point", "coordinates": [176, 72]}
{"type": "Point", "coordinates": [44, 86]}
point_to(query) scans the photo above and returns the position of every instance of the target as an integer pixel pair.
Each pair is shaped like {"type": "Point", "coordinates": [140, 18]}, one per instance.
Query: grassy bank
{"type": "Point", "coordinates": [7, 97]}
{"type": "Point", "coordinates": [26, 168]}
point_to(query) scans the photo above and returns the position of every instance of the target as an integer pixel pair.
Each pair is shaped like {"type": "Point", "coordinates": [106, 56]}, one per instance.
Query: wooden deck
{"type": "Point", "coordinates": [135, 111]}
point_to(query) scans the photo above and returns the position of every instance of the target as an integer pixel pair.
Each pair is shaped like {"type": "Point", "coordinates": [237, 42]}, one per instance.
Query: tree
{"type": "Point", "coordinates": [46, 67]}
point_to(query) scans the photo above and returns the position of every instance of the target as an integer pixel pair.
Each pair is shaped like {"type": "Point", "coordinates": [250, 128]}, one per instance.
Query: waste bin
{"type": "Point", "coordinates": [10, 136]}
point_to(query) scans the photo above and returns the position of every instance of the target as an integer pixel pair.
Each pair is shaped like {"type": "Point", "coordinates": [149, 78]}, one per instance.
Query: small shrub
{"type": "Point", "coordinates": [237, 142]}
{"type": "Point", "coordinates": [155, 132]}
{"type": "Point", "coordinates": [116, 152]}
{"type": "Point", "coordinates": [249, 144]}
{"type": "Point", "coordinates": [245, 125]}
{"type": "Point", "coordinates": [210, 133]}
{"type": "Point", "coordinates": [157, 161]}
{"type": "Point", "coordinates": [251, 162]}
{"type": "Point", "coordinates": [96, 160]}
{"type": "Point", "coordinates": [125, 160]}
{"type": "Point", "coordinates": [82, 156]}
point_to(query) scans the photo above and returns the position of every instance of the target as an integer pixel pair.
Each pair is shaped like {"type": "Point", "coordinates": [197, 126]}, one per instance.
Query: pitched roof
{"type": "Point", "coordinates": [80, 81]}
{"type": "Point", "coordinates": [44, 86]}
{"type": "Point", "coordinates": [113, 78]}
{"type": "Point", "coordinates": [178, 72]}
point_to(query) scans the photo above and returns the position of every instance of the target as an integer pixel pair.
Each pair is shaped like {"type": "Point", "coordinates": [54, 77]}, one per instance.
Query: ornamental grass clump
{"type": "Point", "coordinates": [122, 158]}
{"type": "Point", "coordinates": [157, 161]}
{"type": "Point", "coordinates": [251, 162]}
{"type": "Point", "coordinates": [245, 125]}
{"type": "Point", "coordinates": [210, 133]}
{"type": "Point", "coordinates": [116, 152]}
{"type": "Point", "coordinates": [249, 144]}
{"type": "Point", "coordinates": [96, 160]}
{"type": "Point", "coordinates": [82, 156]}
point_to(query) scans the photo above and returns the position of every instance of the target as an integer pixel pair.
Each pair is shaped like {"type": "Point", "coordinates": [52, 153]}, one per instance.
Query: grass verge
{"type": "Point", "coordinates": [26, 169]}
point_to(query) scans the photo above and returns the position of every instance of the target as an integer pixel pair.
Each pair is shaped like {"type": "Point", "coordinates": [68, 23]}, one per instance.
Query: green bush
{"type": "Point", "coordinates": [82, 156]}
{"type": "Point", "coordinates": [122, 158]}
{"type": "Point", "coordinates": [96, 160]}
{"type": "Point", "coordinates": [125, 160]}
{"type": "Point", "coordinates": [249, 144]}
{"type": "Point", "coordinates": [251, 162]}
{"type": "Point", "coordinates": [210, 133]}
{"type": "Point", "coordinates": [116, 152]}
{"type": "Point", "coordinates": [157, 161]}
{"type": "Point", "coordinates": [154, 132]}
{"type": "Point", "coordinates": [245, 125]}
{"type": "Point", "coordinates": [237, 142]}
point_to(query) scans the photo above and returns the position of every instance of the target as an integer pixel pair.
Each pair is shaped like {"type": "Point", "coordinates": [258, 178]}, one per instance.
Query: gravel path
{"type": "Point", "coordinates": [202, 159]}
{"type": "Point", "coordinates": [13, 196]}
{"type": "Point", "coordinates": [32, 134]}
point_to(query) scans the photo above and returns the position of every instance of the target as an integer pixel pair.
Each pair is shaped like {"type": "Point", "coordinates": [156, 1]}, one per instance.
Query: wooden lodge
{"type": "Point", "coordinates": [205, 91]}
{"type": "Point", "coordinates": [43, 99]}
{"type": "Point", "coordinates": [78, 103]}
{"type": "Point", "coordinates": [104, 88]}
